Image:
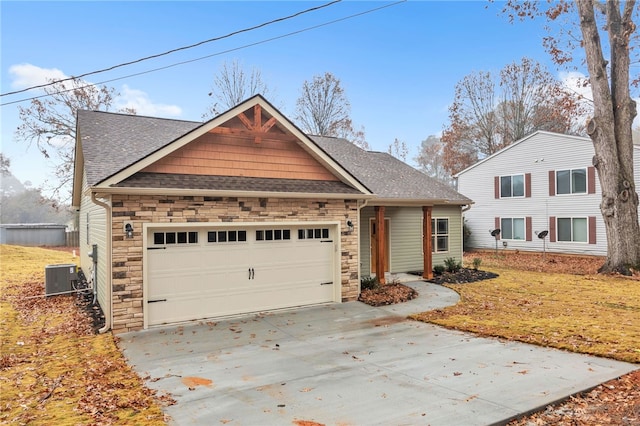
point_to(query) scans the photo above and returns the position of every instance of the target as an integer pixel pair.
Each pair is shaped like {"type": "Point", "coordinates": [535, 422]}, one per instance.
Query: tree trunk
{"type": "Point", "coordinates": [610, 131]}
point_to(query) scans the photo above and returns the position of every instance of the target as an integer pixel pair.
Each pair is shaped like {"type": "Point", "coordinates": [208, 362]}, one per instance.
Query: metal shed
{"type": "Point", "coordinates": [33, 234]}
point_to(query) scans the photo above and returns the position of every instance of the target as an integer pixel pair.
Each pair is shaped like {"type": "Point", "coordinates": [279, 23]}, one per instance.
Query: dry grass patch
{"type": "Point", "coordinates": [595, 315]}
{"type": "Point", "coordinates": [53, 369]}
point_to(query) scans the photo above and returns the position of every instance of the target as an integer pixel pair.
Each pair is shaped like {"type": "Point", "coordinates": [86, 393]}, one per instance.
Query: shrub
{"type": "Point", "coordinates": [368, 283]}
{"type": "Point", "coordinates": [476, 263]}
{"type": "Point", "coordinates": [452, 264]}
{"type": "Point", "coordinates": [438, 269]}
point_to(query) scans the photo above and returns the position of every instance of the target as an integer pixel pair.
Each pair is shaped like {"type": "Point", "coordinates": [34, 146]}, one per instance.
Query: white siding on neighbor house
{"type": "Point", "coordinates": [93, 230]}
{"type": "Point", "coordinates": [405, 237]}
{"type": "Point", "coordinates": [537, 154]}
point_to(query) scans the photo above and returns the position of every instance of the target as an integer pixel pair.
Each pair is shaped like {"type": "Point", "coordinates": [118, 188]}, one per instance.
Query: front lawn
{"type": "Point", "coordinates": [53, 369]}
{"type": "Point", "coordinates": [591, 314]}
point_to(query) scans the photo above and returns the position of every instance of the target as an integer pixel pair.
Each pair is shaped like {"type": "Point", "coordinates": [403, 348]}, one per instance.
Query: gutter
{"type": "Point", "coordinates": [107, 315]}
{"type": "Point", "coordinates": [228, 193]}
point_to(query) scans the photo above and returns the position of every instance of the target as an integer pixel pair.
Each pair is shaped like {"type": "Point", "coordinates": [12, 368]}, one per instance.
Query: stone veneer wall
{"type": "Point", "coordinates": [127, 252]}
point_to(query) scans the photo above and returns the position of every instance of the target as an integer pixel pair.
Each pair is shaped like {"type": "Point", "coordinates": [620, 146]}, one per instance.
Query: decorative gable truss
{"type": "Point", "coordinates": [251, 140]}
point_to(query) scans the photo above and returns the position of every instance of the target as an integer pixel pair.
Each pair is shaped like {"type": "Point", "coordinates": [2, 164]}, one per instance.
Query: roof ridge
{"type": "Point", "coordinates": [124, 114]}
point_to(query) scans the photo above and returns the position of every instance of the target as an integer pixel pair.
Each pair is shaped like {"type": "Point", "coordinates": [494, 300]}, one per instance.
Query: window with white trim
{"type": "Point", "coordinates": [512, 186]}
{"type": "Point", "coordinates": [439, 234]}
{"type": "Point", "coordinates": [512, 228]}
{"type": "Point", "coordinates": [572, 181]}
{"type": "Point", "coordinates": [572, 229]}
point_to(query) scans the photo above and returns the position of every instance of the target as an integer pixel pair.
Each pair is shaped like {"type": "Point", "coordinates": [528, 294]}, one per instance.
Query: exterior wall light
{"type": "Point", "coordinates": [128, 228]}
{"type": "Point", "coordinates": [350, 225]}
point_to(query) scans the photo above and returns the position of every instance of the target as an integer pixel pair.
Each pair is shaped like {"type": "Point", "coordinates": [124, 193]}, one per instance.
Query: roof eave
{"type": "Point", "coordinates": [412, 202]}
{"type": "Point", "coordinates": [223, 193]}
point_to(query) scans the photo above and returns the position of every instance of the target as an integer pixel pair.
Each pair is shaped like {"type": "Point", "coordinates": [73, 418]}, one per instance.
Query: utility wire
{"type": "Point", "coordinates": [213, 54]}
{"type": "Point", "coordinates": [255, 27]}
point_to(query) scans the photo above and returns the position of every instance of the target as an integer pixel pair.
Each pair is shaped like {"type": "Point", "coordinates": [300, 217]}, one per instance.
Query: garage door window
{"type": "Point", "coordinates": [226, 236]}
{"type": "Point", "coordinates": [161, 238]}
{"type": "Point", "coordinates": [313, 234]}
{"type": "Point", "coordinates": [273, 234]}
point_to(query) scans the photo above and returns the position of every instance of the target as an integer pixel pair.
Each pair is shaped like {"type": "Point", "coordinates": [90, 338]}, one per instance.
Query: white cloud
{"type": "Point", "coordinates": [139, 100]}
{"type": "Point", "coordinates": [574, 81]}
{"type": "Point", "coordinates": [27, 75]}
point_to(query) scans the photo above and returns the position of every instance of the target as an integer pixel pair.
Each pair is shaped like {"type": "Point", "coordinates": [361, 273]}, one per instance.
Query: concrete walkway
{"type": "Point", "coordinates": [352, 364]}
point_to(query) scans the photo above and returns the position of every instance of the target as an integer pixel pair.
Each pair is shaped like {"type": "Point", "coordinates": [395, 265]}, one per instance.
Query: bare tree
{"type": "Point", "coordinates": [430, 159]}
{"type": "Point", "coordinates": [5, 165]}
{"type": "Point", "coordinates": [232, 85]}
{"type": "Point", "coordinates": [398, 149]}
{"type": "Point", "coordinates": [323, 109]}
{"type": "Point", "coordinates": [489, 113]}
{"type": "Point", "coordinates": [605, 29]}
{"type": "Point", "coordinates": [50, 122]}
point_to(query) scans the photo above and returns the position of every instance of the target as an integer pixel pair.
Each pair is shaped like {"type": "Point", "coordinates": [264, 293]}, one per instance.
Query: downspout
{"type": "Point", "coordinates": [360, 207]}
{"type": "Point", "coordinates": [107, 254]}
{"type": "Point", "coordinates": [462, 210]}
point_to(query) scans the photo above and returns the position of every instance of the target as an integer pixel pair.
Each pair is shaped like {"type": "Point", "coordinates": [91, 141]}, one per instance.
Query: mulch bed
{"type": "Point", "coordinates": [387, 294]}
{"type": "Point", "coordinates": [463, 276]}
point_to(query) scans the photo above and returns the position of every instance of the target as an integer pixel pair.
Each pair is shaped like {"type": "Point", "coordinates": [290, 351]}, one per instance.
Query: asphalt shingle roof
{"type": "Point", "coordinates": [385, 175]}
{"type": "Point", "coordinates": [234, 183]}
{"type": "Point", "coordinates": [112, 142]}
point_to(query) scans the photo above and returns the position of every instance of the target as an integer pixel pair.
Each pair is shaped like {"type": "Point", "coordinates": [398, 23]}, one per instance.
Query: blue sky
{"type": "Point", "coordinates": [398, 65]}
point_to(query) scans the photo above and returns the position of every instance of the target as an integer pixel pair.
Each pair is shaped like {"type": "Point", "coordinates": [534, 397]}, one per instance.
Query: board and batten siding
{"type": "Point", "coordinates": [536, 155]}
{"type": "Point", "coordinates": [93, 230]}
{"type": "Point", "coordinates": [405, 237]}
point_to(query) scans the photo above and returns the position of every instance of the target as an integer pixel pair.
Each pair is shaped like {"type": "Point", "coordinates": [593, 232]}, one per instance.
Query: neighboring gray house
{"type": "Point", "coordinates": [543, 182]}
{"type": "Point", "coordinates": [245, 213]}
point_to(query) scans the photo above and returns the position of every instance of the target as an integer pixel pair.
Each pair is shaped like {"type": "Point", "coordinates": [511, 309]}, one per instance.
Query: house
{"type": "Point", "coordinates": [184, 220]}
{"type": "Point", "coordinates": [543, 182]}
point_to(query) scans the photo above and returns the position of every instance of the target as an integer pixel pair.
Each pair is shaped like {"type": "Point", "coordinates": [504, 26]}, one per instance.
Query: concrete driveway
{"type": "Point", "coordinates": [352, 364]}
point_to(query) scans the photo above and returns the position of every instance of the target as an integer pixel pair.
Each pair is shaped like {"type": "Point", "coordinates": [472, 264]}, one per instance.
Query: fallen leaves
{"type": "Point", "coordinates": [54, 369]}
{"type": "Point", "coordinates": [616, 402]}
{"type": "Point", "coordinates": [558, 301]}
{"type": "Point", "coordinates": [387, 294]}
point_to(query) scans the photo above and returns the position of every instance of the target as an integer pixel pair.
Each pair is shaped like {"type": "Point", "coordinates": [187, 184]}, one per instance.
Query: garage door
{"type": "Point", "coordinates": [210, 272]}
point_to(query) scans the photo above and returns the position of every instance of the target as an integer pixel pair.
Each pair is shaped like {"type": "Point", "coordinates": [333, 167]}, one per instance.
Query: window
{"type": "Point", "coordinates": [182, 237]}
{"type": "Point", "coordinates": [226, 236]}
{"type": "Point", "coordinates": [273, 234]}
{"type": "Point", "coordinates": [439, 235]}
{"type": "Point", "coordinates": [573, 229]}
{"type": "Point", "coordinates": [512, 186]}
{"type": "Point", "coordinates": [512, 228]}
{"type": "Point", "coordinates": [573, 181]}
{"type": "Point", "coordinates": [315, 233]}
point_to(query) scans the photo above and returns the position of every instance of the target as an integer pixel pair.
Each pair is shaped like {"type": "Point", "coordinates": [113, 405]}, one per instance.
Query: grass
{"type": "Point", "coordinates": [53, 369]}
{"type": "Point", "coordinates": [591, 314]}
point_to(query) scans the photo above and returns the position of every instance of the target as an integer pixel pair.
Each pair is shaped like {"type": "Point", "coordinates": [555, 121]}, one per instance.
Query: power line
{"type": "Point", "coordinates": [255, 27]}
{"type": "Point", "coordinates": [213, 54]}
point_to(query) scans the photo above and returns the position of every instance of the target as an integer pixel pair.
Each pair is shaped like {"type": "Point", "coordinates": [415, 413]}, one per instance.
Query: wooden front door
{"type": "Point", "coordinates": [372, 238]}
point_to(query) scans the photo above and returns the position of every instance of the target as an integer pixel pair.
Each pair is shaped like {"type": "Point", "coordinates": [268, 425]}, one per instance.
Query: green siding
{"type": "Point", "coordinates": [97, 233]}
{"type": "Point", "coordinates": [405, 238]}
{"type": "Point", "coordinates": [455, 232]}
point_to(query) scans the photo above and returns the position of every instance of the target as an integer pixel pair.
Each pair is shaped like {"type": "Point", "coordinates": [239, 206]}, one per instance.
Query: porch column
{"type": "Point", "coordinates": [381, 250]}
{"type": "Point", "coordinates": [426, 243]}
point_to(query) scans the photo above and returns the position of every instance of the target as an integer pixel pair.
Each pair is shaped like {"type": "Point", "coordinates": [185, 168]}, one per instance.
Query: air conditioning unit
{"type": "Point", "coordinates": [59, 278]}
